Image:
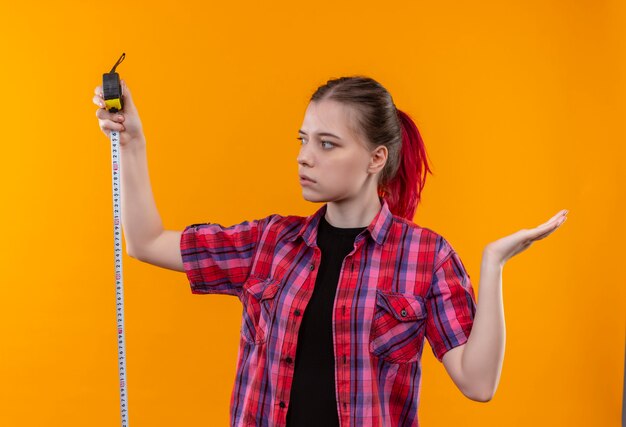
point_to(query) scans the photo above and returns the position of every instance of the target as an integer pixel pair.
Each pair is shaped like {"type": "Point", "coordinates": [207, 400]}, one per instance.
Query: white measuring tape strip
{"type": "Point", "coordinates": [119, 279]}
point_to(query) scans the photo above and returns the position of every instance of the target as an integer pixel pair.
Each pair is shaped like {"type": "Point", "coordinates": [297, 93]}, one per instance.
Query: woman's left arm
{"type": "Point", "coordinates": [475, 366]}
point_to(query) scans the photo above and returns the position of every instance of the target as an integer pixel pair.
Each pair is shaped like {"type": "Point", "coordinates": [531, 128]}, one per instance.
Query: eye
{"type": "Point", "coordinates": [323, 142]}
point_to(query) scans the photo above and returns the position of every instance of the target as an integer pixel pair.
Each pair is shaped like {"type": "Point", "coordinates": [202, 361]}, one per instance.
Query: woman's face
{"type": "Point", "coordinates": [332, 154]}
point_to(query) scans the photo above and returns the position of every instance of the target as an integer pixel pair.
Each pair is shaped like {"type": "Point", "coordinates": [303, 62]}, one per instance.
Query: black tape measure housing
{"type": "Point", "coordinates": [112, 88]}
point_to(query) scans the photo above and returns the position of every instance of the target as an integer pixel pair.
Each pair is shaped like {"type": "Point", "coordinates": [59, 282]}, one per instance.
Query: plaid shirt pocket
{"type": "Point", "coordinates": [259, 307]}
{"type": "Point", "coordinates": [398, 327]}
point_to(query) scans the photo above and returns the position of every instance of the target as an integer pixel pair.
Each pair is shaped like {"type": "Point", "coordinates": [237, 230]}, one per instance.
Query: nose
{"type": "Point", "coordinates": [304, 157]}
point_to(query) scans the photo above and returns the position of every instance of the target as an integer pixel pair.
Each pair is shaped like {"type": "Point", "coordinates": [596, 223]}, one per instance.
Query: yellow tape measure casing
{"type": "Point", "coordinates": [114, 104]}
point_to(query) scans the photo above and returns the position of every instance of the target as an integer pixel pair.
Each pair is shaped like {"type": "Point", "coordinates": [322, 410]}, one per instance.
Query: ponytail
{"type": "Point", "coordinates": [403, 191]}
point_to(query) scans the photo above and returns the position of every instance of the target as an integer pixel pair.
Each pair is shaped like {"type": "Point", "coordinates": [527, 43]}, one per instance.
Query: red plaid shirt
{"type": "Point", "coordinates": [402, 283]}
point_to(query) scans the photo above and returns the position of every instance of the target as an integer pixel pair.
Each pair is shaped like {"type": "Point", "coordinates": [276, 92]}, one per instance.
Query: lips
{"type": "Point", "coordinates": [306, 178]}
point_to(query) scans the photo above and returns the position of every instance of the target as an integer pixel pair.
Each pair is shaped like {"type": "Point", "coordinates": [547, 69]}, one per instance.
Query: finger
{"type": "Point", "coordinates": [534, 233]}
{"type": "Point", "coordinates": [103, 114]}
{"type": "Point", "coordinates": [560, 214]}
{"type": "Point", "coordinates": [128, 97]}
{"type": "Point", "coordinates": [538, 233]}
{"type": "Point", "coordinates": [111, 125]}
{"type": "Point", "coordinates": [558, 221]}
{"type": "Point", "coordinates": [98, 91]}
{"type": "Point", "coordinates": [546, 234]}
{"type": "Point", "coordinates": [542, 232]}
{"type": "Point", "coordinates": [98, 101]}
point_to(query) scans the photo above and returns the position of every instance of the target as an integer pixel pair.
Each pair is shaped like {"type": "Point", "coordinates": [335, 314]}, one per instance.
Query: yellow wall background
{"type": "Point", "coordinates": [521, 107]}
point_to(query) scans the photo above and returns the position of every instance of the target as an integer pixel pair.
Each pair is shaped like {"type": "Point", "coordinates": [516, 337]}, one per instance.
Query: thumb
{"type": "Point", "coordinates": [128, 99]}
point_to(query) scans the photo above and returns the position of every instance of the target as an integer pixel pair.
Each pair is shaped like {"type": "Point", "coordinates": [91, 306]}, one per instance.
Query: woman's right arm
{"type": "Point", "coordinates": [145, 238]}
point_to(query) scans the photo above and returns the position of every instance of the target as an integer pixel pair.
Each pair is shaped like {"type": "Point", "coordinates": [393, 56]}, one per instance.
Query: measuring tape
{"type": "Point", "coordinates": [112, 91]}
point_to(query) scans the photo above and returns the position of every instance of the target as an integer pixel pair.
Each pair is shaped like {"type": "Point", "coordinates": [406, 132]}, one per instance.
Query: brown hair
{"type": "Point", "coordinates": [379, 122]}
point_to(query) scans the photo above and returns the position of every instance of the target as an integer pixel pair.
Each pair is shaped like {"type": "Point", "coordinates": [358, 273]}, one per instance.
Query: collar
{"type": "Point", "coordinates": [378, 228]}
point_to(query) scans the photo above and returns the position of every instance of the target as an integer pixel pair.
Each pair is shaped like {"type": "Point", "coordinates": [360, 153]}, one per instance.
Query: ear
{"type": "Point", "coordinates": [378, 159]}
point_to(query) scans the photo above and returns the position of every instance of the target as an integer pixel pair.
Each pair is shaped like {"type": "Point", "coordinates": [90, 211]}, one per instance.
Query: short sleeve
{"type": "Point", "coordinates": [218, 259]}
{"type": "Point", "coordinates": [451, 303]}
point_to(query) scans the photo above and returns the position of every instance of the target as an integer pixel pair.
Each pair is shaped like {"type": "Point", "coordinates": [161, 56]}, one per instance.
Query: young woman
{"type": "Point", "coordinates": [336, 305]}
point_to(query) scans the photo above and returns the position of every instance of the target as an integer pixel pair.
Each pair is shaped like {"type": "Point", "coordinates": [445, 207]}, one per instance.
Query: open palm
{"type": "Point", "coordinates": [509, 246]}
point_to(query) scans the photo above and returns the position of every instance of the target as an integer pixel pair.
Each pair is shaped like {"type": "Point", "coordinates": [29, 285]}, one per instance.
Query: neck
{"type": "Point", "coordinates": [353, 213]}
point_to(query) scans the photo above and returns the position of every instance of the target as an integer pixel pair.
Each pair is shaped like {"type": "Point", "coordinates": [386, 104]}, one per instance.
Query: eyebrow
{"type": "Point", "coordinates": [320, 134]}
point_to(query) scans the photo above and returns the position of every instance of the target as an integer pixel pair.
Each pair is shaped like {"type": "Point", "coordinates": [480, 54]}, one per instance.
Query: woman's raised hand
{"type": "Point", "coordinates": [503, 249]}
{"type": "Point", "coordinates": [126, 121]}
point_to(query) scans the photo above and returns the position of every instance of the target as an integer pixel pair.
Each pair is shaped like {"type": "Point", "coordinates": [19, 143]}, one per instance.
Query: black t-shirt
{"type": "Point", "coordinates": [313, 401]}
